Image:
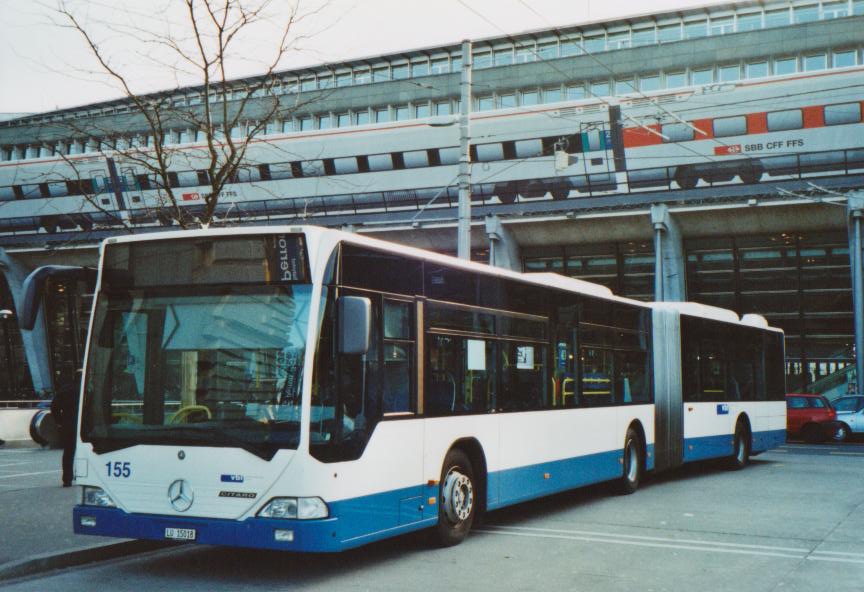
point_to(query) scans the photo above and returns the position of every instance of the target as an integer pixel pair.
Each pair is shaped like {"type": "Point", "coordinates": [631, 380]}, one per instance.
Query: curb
{"type": "Point", "coordinates": [53, 561]}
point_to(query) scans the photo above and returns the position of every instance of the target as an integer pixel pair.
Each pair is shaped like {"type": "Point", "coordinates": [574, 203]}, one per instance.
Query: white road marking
{"type": "Point", "coordinates": [30, 474]}
{"type": "Point", "coordinates": [847, 453]}
{"type": "Point", "coordinates": [697, 545]}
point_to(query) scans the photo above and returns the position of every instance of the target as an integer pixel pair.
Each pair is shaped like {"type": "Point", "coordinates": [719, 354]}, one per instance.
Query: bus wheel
{"type": "Point", "coordinates": [633, 463]}
{"type": "Point", "coordinates": [457, 497]}
{"type": "Point", "coordinates": [741, 447]}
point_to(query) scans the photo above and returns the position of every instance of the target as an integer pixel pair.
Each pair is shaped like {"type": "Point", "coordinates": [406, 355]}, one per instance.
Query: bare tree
{"type": "Point", "coordinates": [206, 124]}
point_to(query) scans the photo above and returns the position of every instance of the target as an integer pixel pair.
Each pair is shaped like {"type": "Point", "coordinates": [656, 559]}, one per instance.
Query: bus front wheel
{"type": "Point", "coordinates": [457, 497]}
{"type": "Point", "coordinates": [633, 463]}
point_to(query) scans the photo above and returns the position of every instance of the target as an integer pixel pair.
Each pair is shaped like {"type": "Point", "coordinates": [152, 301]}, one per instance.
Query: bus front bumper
{"type": "Point", "coordinates": [263, 533]}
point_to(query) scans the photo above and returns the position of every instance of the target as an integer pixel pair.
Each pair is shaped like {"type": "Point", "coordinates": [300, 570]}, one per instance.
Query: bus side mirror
{"type": "Point", "coordinates": [355, 323]}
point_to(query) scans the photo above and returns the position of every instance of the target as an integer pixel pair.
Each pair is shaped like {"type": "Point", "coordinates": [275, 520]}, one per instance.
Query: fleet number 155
{"type": "Point", "coordinates": [119, 469]}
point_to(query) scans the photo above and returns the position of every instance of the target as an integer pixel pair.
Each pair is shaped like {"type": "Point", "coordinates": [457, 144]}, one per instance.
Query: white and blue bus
{"type": "Point", "coordinates": [306, 389]}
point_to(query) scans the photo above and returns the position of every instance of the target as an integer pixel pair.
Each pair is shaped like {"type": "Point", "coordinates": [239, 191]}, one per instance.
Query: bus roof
{"type": "Point", "coordinates": [317, 232]}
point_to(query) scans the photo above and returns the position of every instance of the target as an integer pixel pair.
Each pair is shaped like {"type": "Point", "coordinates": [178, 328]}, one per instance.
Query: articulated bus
{"type": "Point", "coordinates": [306, 389]}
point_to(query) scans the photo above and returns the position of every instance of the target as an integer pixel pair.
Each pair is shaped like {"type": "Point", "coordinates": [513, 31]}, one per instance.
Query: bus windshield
{"type": "Point", "coordinates": [203, 365]}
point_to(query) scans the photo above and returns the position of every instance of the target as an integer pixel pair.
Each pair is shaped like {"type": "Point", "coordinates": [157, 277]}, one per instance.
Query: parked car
{"type": "Point", "coordinates": [810, 417]}
{"type": "Point", "coordinates": [850, 416]}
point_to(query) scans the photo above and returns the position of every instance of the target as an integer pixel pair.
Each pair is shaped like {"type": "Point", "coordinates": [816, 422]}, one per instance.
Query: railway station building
{"type": "Point", "coordinates": [722, 147]}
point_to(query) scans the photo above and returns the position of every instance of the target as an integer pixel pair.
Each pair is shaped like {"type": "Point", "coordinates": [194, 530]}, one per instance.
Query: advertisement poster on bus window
{"type": "Point", "coordinates": [525, 357]}
{"type": "Point", "coordinates": [477, 354]}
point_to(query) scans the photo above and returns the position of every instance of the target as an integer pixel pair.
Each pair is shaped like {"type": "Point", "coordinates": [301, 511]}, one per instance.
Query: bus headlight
{"type": "Point", "coordinates": [295, 508]}
{"type": "Point", "coordinates": [96, 496]}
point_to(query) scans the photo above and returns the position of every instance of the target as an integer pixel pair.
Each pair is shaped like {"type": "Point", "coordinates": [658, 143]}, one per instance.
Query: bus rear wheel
{"type": "Point", "coordinates": [457, 499]}
{"type": "Point", "coordinates": [740, 447]}
{"type": "Point", "coordinates": [633, 463]}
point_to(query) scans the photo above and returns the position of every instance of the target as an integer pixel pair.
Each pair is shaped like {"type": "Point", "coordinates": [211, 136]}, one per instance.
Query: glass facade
{"type": "Point", "coordinates": [798, 282]}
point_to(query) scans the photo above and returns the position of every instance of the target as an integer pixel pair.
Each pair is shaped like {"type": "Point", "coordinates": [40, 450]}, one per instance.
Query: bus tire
{"type": "Point", "coordinates": [457, 499]}
{"type": "Point", "coordinates": [633, 463]}
{"type": "Point", "coordinates": [740, 446]}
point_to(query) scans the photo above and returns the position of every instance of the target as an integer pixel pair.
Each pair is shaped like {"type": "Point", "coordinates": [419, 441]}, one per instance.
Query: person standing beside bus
{"type": "Point", "coordinates": [64, 408]}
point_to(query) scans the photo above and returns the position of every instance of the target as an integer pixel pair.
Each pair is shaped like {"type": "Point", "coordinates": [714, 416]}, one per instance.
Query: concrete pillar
{"type": "Point", "coordinates": [503, 249]}
{"type": "Point", "coordinates": [36, 340]}
{"type": "Point", "coordinates": [669, 267]}
{"type": "Point", "coordinates": [855, 219]}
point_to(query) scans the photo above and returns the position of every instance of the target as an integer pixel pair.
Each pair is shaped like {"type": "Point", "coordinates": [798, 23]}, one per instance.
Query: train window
{"type": "Point", "coordinates": [785, 66]}
{"type": "Point", "coordinates": [790, 119]}
{"type": "Point", "coordinates": [415, 159]}
{"type": "Point", "coordinates": [730, 126]}
{"type": "Point", "coordinates": [485, 103]}
{"type": "Point", "coordinates": [422, 110]}
{"type": "Point", "coordinates": [528, 148]}
{"type": "Point", "coordinates": [678, 132]}
{"type": "Point", "coordinates": [305, 124]}
{"type": "Point", "coordinates": [844, 113]}
{"type": "Point", "coordinates": [401, 112]}
{"type": "Point", "coordinates": [529, 97]}
{"type": "Point", "coordinates": [442, 108]}
{"type": "Point", "coordinates": [282, 170]}
{"type": "Point", "coordinates": [382, 115]}
{"type": "Point", "coordinates": [361, 118]}
{"type": "Point", "coordinates": [380, 162]}
{"type": "Point", "coordinates": [345, 166]}
{"type": "Point", "coordinates": [448, 156]}
{"type": "Point", "coordinates": [312, 168]}
{"type": "Point", "coordinates": [343, 120]}
{"type": "Point", "coordinates": [488, 152]}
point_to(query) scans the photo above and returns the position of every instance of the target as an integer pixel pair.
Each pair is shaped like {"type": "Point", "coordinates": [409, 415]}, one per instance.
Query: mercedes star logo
{"type": "Point", "coordinates": [180, 495]}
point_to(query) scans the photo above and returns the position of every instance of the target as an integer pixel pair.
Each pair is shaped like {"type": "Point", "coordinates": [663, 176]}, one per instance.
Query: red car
{"type": "Point", "coordinates": [810, 417]}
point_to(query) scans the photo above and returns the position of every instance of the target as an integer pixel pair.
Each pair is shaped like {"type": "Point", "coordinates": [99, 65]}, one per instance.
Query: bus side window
{"type": "Point", "coordinates": [398, 357]}
{"type": "Point", "coordinates": [459, 377]}
{"type": "Point", "coordinates": [523, 376]}
{"type": "Point", "coordinates": [596, 366]}
{"type": "Point", "coordinates": [713, 372]}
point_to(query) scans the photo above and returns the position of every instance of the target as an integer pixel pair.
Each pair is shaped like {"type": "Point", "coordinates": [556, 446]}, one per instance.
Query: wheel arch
{"type": "Point", "coordinates": [744, 419]}
{"type": "Point", "coordinates": [636, 425]}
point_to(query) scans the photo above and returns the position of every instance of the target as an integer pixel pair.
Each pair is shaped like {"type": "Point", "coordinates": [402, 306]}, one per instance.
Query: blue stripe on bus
{"type": "Point", "coordinates": [366, 519]}
{"type": "Point", "coordinates": [521, 484]}
{"type": "Point", "coordinates": [719, 446]}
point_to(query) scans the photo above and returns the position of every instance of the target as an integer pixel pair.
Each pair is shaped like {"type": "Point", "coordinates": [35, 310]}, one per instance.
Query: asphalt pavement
{"type": "Point", "coordinates": [36, 530]}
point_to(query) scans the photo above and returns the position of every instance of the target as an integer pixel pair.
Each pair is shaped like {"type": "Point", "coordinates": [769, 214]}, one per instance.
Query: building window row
{"type": "Point", "coordinates": [589, 40]}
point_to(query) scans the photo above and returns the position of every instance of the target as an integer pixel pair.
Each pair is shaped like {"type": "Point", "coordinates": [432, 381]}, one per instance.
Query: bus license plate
{"type": "Point", "coordinates": [180, 534]}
